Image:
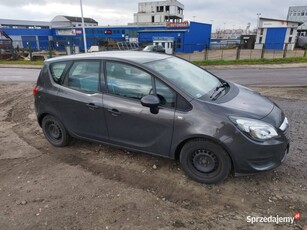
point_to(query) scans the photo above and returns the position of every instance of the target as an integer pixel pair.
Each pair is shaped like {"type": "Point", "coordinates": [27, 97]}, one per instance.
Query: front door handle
{"type": "Point", "coordinates": [114, 112]}
{"type": "Point", "coordinates": [92, 106]}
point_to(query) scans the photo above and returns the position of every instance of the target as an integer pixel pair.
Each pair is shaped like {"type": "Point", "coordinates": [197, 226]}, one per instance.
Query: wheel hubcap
{"type": "Point", "coordinates": [204, 161]}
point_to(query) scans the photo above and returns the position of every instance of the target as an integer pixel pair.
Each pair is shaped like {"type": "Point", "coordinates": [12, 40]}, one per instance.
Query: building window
{"type": "Point", "coordinates": [152, 18]}
{"type": "Point", "coordinates": [260, 40]}
{"type": "Point", "coordinates": [160, 8]}
{"type": "Point", "coordinates": [290, 40]}
{"type": "Point", "coordinates": [294, 14]}
{"type": "Point", "coordinates": [166, 8]}
{"type": "Point", "coordinates": [291, 31]}
{"type": "Point", "coordinates": [261, 31]}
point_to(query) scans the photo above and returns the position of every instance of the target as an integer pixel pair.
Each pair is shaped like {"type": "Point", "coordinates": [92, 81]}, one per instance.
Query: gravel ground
{"type": "Point", "coordinates": [92, 186]}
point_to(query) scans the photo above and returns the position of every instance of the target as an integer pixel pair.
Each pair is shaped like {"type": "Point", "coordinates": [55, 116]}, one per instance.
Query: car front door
{"type": "Point", "coordinates": [129, 123]}
{"type": "Point", "coordinates": [80, 101]}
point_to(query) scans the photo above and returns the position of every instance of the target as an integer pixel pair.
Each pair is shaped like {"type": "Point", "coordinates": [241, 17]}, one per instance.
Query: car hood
{"type": "Point", "coordinates": [241, 101]}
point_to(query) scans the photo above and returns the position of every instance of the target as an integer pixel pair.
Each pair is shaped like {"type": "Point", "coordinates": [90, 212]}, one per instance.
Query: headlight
{"type": "Point", "coordinates": [258, 130]}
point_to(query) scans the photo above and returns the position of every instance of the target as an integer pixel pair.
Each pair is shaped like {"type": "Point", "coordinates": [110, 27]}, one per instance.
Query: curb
{"type": "Point", "coordinates": [265, 66]}
{"type": "Point", "coordinates": [20, 66]}
{"type": "Point", "coordinates": [276, 86]}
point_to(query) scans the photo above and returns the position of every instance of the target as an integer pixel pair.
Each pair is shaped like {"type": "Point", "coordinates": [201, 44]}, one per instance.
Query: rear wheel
{"type": "Point", "coordinates": [55, 131]}
{"type": "Point", "coordinates": [205, 161]}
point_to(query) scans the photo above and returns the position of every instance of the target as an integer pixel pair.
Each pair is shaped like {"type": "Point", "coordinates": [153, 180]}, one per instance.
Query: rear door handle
{"type": "Point", "coordinates": [114, 112]}
{"type": "Point", "coordinates": [92, 106]}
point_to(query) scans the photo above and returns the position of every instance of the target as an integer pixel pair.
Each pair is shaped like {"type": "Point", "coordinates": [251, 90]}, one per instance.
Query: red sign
{"type": "Point", "coordinates": [177, 24]}
{"type": "Point", "coordinates": [78, 31]}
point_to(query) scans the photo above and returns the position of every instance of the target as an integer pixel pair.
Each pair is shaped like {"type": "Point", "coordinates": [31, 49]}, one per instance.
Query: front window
{"type": "Point", "coordinates": [128, 81]}
{"type": "Point", "coordinates": [192, 79]}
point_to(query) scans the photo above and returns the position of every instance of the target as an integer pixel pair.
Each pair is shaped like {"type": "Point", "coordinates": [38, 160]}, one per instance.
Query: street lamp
{"type": "Point", "coordinates": [83, 28]}
{"type": "Point", "coordinates": [212, 24]}
{"type": "Point", "coordinates": [258, 14]}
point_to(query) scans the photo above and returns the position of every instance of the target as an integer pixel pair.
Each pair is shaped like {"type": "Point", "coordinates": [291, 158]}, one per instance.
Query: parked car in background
{"type": "Point", "coordinates": [154, 48]}
{"type": "Point", "coordinates": [161, 105]}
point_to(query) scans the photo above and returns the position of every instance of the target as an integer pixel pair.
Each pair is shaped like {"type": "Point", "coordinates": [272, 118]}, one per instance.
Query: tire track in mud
{"type": "Point", "coordinates": [190, 196]}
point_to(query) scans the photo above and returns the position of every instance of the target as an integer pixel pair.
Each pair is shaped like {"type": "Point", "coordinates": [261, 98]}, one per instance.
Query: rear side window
{"type": "Point", "coordinates": [84, 76]}
{"type": "Point", "coordinates": [58, 70]}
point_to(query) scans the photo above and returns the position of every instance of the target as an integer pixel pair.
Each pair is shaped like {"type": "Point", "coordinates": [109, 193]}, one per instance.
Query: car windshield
{"type": "Point", "coordinates": [148, 48]}
{"type": "Point", "coordinates": [192, 79]}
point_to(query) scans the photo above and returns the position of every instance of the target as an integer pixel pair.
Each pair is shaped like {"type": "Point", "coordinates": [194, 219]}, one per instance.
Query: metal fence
{"type": "Point", "coordinates": [236, 52]}
{"type": "Point", "coordinates": [41, 50]}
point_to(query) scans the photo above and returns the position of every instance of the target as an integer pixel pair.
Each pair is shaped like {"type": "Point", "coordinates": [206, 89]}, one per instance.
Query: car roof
{"type": "Point", "coordinates": [135, 56]}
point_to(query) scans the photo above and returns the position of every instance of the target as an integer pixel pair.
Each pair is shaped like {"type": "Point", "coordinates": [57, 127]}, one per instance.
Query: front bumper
{"type": "Point", "coordinates": [250, 156]}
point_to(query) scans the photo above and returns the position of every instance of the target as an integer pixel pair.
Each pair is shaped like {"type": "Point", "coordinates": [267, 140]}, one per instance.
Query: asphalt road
{"type": "Point", "coordinates": [276, 77]}
{"type": "Point", "coordinates": [279, 77]}
{"type": "Point", "coordinates": [18, 74]}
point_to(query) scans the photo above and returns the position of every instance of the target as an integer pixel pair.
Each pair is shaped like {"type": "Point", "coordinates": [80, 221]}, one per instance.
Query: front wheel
{"type": "Point", "coordinates": [205, 161]}
{"type": "Point", "coordinates": [55, 131]}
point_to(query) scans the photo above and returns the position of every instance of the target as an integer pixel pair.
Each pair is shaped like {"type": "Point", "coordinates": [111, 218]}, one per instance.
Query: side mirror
{"type": "Point", "coordinates": [151, 101]}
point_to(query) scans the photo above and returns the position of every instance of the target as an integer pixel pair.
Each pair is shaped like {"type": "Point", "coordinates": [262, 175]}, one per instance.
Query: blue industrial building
{"type": "Point", "coordinates": [186, 40]}
{"type": "Point", "coordinates": [37, 39]}
{"type": "Point", "coordinates": [185, 37]}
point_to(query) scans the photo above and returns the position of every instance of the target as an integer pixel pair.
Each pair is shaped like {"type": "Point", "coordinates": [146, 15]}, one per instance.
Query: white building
{"type": "Point", "coordinates": [23, 24]}
{"type": "Point", "coordinates": [69, 21]}
{"type": "Point", "coordinates": [299, 13]}
{"type": "Point", "coordinates": [276, 34]}
{"type": "Point", "coordinates": [159, 12]}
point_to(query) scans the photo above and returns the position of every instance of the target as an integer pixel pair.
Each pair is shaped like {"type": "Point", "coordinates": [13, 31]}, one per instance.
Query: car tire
{"type": "Point", "coordinates": [205, 161]}
{"type": "Point", "coordinates": [55, 131]}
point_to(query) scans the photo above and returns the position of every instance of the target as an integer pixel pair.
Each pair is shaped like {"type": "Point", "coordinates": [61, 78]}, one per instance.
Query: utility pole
{"type": "Point", "coordinates": [83, 28]}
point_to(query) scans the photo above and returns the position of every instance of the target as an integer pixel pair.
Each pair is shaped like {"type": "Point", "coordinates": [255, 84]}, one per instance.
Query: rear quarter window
{"type": "Point", "coordinates": [58, 70]}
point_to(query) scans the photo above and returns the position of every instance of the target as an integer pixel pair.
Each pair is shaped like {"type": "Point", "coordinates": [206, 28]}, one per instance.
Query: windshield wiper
{"type": "Point", "coordinates": [218, 90]}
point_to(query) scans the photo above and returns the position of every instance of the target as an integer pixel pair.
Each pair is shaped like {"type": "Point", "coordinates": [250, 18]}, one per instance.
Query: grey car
{"type": "Point", "coordinates": [161, 105]}
{"type": "Point", "coordinates": [154, 48]}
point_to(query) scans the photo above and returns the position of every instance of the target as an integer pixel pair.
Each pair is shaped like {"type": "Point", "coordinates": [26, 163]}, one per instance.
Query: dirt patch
{"type": "Point", "coordinates": [92, 186]}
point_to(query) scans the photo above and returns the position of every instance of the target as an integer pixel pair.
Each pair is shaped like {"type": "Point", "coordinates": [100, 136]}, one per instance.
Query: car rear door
{"type": "Point", "coordinates": [80, 100]}
{"type": "Point", "coordinates": [129, 123]}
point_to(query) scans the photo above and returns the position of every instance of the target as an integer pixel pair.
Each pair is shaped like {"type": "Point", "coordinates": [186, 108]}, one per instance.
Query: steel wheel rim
{"type": "Point", "coordinates": [54, 131]}
{"type": "Point", "coordinates": [204, 161]}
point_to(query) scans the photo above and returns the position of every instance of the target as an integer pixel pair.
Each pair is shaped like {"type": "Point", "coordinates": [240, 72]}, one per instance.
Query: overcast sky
{"type": "Point", "coordinates": [222, 13]}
